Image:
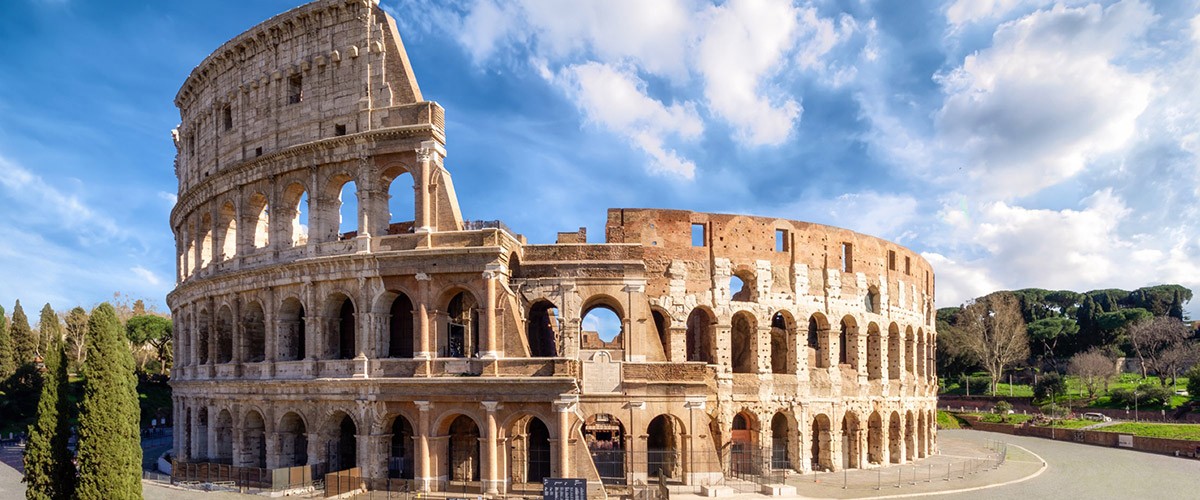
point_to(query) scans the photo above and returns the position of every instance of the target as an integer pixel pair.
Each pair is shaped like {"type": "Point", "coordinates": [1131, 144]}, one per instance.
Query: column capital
{"type": "Point", "coordinates": [491, 406]}
{"type": "Point", "coordinates": [422, 277]}
{"type": "Point", "coordinates": [423, 406]}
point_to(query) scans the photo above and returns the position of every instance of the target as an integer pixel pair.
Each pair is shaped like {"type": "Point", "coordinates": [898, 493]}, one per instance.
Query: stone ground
{"type": "Point", "coordinates": [1073, 471]}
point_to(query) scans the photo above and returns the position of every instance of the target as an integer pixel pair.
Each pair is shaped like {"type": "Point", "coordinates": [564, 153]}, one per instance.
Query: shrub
{"type": "Point", "coordinates": [1003, 407]}
{"type": "Point", "coordinates": [1055, 411]}
{"type": "Point", "coordinates": [1049, 386]}
{"type": "Point", "coordinates": [1150, 394]}
{"type": "Point", "coordinates": [1193, 385]}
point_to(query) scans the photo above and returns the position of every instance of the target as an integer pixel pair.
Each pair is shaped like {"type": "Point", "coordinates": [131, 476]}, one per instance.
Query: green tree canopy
{"type": "Point", "coordinates": [49, 472]}
{"type": "Point", "coordinates": [77, 320]}
{"type": "Point", "coordinates": [110, 453]}
{"type": "Point", "coordinates": [49, 330]}
{"type": "Point", "coordinates": [8, 364]}
{"type": "Point", "coordinates": [25, 342]}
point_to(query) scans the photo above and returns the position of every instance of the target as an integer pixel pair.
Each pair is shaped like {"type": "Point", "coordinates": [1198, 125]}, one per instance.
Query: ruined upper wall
{"type": "Point", "coordinates": [325, 69]}
{"type": "Point", "coordinates": [808, 261]}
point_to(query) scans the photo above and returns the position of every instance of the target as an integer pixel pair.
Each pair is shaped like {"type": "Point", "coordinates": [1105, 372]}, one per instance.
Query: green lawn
{"type": "Point", "coordinates": [994, 418]}
{"type": "Point", "coordinates": [947, 420]}
{"type": "Point", "coordinates": [1076, 396]}
{"type": "Point", "coordinates": [1072, 423]}
{"type": "Point", "coordinates": [1169, 431]}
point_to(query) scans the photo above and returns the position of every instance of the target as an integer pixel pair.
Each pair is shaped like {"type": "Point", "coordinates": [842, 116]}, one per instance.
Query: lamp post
{"type": "Point", "coordinates": [1135, 406]}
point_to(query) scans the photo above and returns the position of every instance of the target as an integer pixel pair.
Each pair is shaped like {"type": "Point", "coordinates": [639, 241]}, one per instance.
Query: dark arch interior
{"type": "Point", "coordinates": [541, 330]}
{"type": "Point", "coordinates": [400, 328]}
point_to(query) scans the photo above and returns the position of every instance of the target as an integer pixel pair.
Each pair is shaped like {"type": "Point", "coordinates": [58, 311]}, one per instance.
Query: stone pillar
{"type": "Point", "coordinates": [763, 355]}
{"type": "Point", "coordinates": [564, 407]}
{"type": "Point", "coordinates": [273, 449]}
{"type": "Point", "coordinates": [421, 184]}
{"type": "Point", "coordinates": [490, 478]}
{"type": "Point", "coordinates": [490, 347]}
{"type": "Point", "coordinates": [423, 479]}
{"type": "Point", "coordinates": [423, 349]}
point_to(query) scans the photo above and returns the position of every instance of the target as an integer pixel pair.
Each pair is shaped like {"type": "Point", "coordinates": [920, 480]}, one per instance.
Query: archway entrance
{"type": "Point", "coordinates": [875, 446]}
{"type": "Point", "coordinates": [822, 458]}
{"type": "Point", "coordinates": [742, 445]}
{"type": "Point", "coordinates": [662, 448]}
{"type": "Point", "coordinates": [400, 460]}
{"type": "Point", "coordinates": [463, 455]}
{"type": "Point", "coordinates": [254, 444]}
{"type": "Point", "coordinates": [537, 451]}
{"type": "Point", "coordinates": [780, 457]}
{"type": "Point", "coordinates": [293, 441]}
{"type": "Point", "coordinates": [343, 447]}
{"type": "Point", "coordinates": [605, 438]}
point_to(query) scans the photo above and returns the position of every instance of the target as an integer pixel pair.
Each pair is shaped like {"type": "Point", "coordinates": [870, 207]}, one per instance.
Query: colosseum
{"type": "Point", "coordinates": [328, 316]}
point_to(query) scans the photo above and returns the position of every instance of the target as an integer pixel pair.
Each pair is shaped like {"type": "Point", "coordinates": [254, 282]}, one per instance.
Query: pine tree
{"type": "Point", "coordinates": [8, 365]}
{"type": "Point", "coordinates": [49, 331]}
{"type": "Point", "coordinates": [24, 340]}
{"type": "Point", "coordinates": [49, 472]}
{"type": "Point", "coordinates": [110, 453]}
{"type": "Point", "coordinates": [1176, 310]}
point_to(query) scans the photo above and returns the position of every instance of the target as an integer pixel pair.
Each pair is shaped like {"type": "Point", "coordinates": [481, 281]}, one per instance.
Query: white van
{"type": "Point", "coordinates": [1099, 417]}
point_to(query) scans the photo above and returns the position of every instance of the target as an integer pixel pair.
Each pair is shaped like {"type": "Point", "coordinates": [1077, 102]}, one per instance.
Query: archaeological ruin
{"type": "Point", "coordinates": [335, 310]}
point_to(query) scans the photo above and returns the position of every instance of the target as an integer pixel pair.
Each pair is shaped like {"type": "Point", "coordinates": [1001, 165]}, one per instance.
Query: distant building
{"type": "Point", "coordinates": [450, 352]}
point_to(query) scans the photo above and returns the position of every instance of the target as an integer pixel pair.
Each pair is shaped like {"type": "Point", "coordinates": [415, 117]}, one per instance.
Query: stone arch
{"type": "Point", "coordinates": [662, 326]}
{"type": "Point", "coordinates": [819, 340]}
{"type": "Point", "coordinates": [401, 336]}
{"type": "Point", "coordinates": [341, 340]}
{"type": "Point", "coordinates": [910, 350]}
{"type": "Point", "coordinates": [228, 225]}
{"type": "Point", "coordinates": [341, 190]}
{"type": "Point", "coordinates": [783, 343]}
{"type": "Point", "coordinates": [293, 440]}
{"type": "Point", "coordinates": [224, 337]}
{"type": "Point", "coordinates": [463, 461]}
{"type": "Point", "coordinates": [530, 455]}
{"type": "Point", "coordinates": [605, 436]}
{"type": "Point", "coordinates": [340, 436]}
{"type": "Point", "coordinates": [291, 330]}
{"type": "Point", "coordinates": [254, 333]}
{"type": "Point", "coordinates": [876, 448]}
{"type": "Point", "coordinates": [851, 441]}
{"type": "Point", "coordinates": [874, 352]}
{"type": "Point", "coordinates": [401, 455]}
{"type": "Point", "coordinates": [744, 343]}
{"type": "Point", "coordinates": [700, 340]}
{"type": "Point", "coordinates": [895, 349]}
{"type": "Point", "coordinates": [848, 348]}
{"type": "Point", "coordinates": [871, 300]}
{"type": "Point", "coordinates": [200, 435]}
{"type": "Point", "coordinates": [204, 336]}
{"type": "Point", "coordinates": [259, 215]}
{"type": "Point", "coordinates": [401, 188]}
{"type": "Point", "coordinates": [224, 433]}
{"type": "Point", "coordinates": [783, 441]}
{"type": "Point", "coordinates": [910, 437]}
{"type": "Point", "coordinates": [297, 207]}
{"type": "Point", "coordinates": [664, 440]}
{"type": "Point", "coordinates": [597, 339]}
{"type": "Point", "coordinates": [743, 443]}
{"type": "Point", "coordinates": [822, 443]}
{"type": "Point", "coordinates": [254, 440]}
{"type": "Point", "coordinates": [205, 238]}
{"type": "Point", "coordinates": [748, 291]}
{"type": "Point", "coordinates": [896, 438]}
{"type": "Point", "coordinates": [541, 329]}
{"type": "Point", "coordinates": [462, 325]}
{"type": "Point", "coordinates": [922, 435]}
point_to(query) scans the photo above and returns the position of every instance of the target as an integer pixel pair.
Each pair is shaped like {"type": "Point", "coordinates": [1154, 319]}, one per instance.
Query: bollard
{"type": "Point", "coordinates": [947, 472]}
{"type": "Point", "coordinates": [845, 472]}
{"type": "Point", "coordinates": [879, 479]}
{"type": "Point", "coordinates": [899, 476]}
{"type": "Point", "coordinates": [929, 474]}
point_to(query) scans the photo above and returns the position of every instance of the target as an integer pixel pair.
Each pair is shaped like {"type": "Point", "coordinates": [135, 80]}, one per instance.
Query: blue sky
{"type": "Point", "coordinates": [1013, 143]}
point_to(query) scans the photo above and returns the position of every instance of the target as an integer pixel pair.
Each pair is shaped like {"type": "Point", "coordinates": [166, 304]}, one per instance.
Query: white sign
{"type": "Point", "coordinates": [1125, 440]}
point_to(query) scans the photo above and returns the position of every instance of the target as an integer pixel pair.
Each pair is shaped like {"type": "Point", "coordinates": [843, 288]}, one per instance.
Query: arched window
{"type": "Point", "coordinates": [662, 325]}
{"type": "Point", "coordinates": [541, 330]}
{"type": "Point", "coordinates": [744, 343]}
{"type": "Point", "coordinates": [260, 212]}
{"type": "Point", "coordinates": [818, 340]}
{"type": "Point", "coordinates": [874, 352]}
{"type": "Point", "coordinates": [742, 286]}
{"type": "Point", "coordinates": [206, 242]}
{"type": "Point", "coordinates": [345, 331]}
{"type": "Point", "coordinates": [292, 332]}
{"type": "Point", "coordinates": [348, 211]}
{"type": "Point", "coordinates": [402, 205]}
{"type": "Point", "coordinates": [254, 334]}
{"type": "Point", "coordinates": [700, 345]}
{"type": "Point", "coordinates": [463, 329]}
{"type": "Point", "coordinates": [871, 301]}
{"type": "Point", "coordinates": [602, 329]}
{"type": "Point", "coordinates": [895, 352]}
{"type": "Point", "coordinates": [783, 340]}
{"type": "Point", "coordinates": [229, 231]}
{"type": "Point", "coordinates": [203, 335]}
{"type": "Point", "coordinates": [400, 328]}
{"type": "Point", "coordinates": [296, 203]}
{"type": "Point", "coordinates": [224, 335]}
{"type": "Point", "coordinates": [537, 451]}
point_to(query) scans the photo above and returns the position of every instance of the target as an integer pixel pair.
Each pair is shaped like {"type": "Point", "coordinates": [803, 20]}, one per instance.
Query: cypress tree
{"type": "Point", "coordinates": [49, 331]}
{"type": "Point", "coordinates": [110, 452]}
{"type": "Point", "coordinates": [49, 473]}
{"type": "Point", "coordinates": [8, 365]}
{"type": "Point", "coordinates": [24, 340]}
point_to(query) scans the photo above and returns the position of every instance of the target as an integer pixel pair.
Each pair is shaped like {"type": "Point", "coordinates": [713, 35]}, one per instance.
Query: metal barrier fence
{"type": "Point", "coordinates": [210, 476]}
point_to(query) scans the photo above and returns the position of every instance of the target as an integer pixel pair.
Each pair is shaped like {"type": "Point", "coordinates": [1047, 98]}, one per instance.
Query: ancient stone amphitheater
{"type": "Point", "coordinates": [327, 315]}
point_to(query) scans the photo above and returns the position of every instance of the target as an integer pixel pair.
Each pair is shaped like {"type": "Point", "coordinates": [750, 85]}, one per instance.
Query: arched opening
{"type": "Point", "coordinates": [700, 344]}
{"type": "Point", "coordinates": [343, 345]}
{"type": "Point", "coordinates": [224, 433]}
{"type": "Point", "coordinates": [254, 442]}
{"type": "Point", "coordinates": [895, 438]}
{"type": "Point", "coordinates": [295, 199]}
{"type": "Point", "coordinates": [400, 328]}
{"type": "Point", "coordinates": [402, 204]}
{"type": "Point", "coordinates": [783, 340]}
{"type": "Point", "coordinates": [463, 454]}
{"type": "Point", "coordinates": [921, 355]}
{"type": "Point", "coordinates": [851, 452]}
{"type": "Point", "coordinates": [206, 242]}
{"type": "Point", "coordinates": [922, 435]}
{"type": "Point", "coordinates": [200, 436]}
{"type": "Point", "coordinates": [910, 436]}
{"type": "Point", "coordinates": [875, 446]}
{"type": "Point", "coordinates": [743, 459]}
{"type": "Point", "coordinates": [229, 230]}
{"type": "Point", "coordinates": [871, 300]}
{"type": "Point", "coordinates": [541, 330]}
{"type": "Point", "coordinates": [293, 441]}
{"type": "Point", "coordinates": [848, 349]}
{"type": "Point", "coordinates": [291, 324]}
{"type": "Point", "coordinates": [261, 217]}
{"type": "Point", "coordinates": [910, 350]}
{"type": "Point", "coordinates": [203, 336]}
{"type": "Point", "coordinates": [347, 210]}
{"type": "Point", "coordinates": [662, 447]}
{"type": "Point", "coordinates": [605, 438]}
{"type": "Point", "coordinates": [874, 352]}
{"type": "Point", "coordinates": [780, 458]}
{"type": "Point", "coordinates": [254, 334]}
{"type": "Point", "coordinates": [818, 341]}
{"type": "Point", "coordinates": [400, 460]}
{"type": "Point", "coordinates": [895, 352]}
{"type": "Point", "coordinates": [602, 329]}
{"type": "Point", "coordinates": [742, 286]}
{"type": "Point", "coordinates": [822, 439]}
{"type": "Point", "coordinates": [462, 332]}
{"type": "Point", "coordinates": [744, 344]}
{"type": "Point", "coordinates": [224, 335]}
{"type": "Point", "coordinates": [342, 452]}
{"type": "Point", "coordinates": [537, 452]}
{"type": "Point", "coordinates": [662, 325]}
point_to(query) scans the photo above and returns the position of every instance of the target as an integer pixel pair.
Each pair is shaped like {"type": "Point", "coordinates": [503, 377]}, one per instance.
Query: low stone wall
{"type": "Point", "coordinates": [1177, 447]}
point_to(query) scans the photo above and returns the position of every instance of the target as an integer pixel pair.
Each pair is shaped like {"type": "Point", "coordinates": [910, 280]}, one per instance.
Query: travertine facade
{"type": "Point", "coordinates": [445, 350]}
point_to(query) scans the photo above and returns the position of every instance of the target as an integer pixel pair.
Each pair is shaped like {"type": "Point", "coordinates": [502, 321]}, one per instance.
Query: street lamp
{"type": "Point", "coordinates": [1135, 403]}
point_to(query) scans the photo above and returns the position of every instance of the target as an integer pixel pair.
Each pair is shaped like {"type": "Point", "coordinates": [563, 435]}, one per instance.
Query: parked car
{"type": "Point", "coordinates": [1099, 417]}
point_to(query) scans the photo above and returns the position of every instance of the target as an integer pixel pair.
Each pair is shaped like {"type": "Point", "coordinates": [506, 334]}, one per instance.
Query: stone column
{"type": "Point", "coordinates": [489, 348]}
{"type": "Point", "coordinates": [421, 184]}
{"type": "Point", "coordinates": [272, 449]}
{"type": "Point", "coordinates": [564, 407]}
{"type": "Point", "coordinates": [424, 481]}
{"type": "Point", "coordinates": [422, 349]}
{"type": "Point", "coordinates": [490, 478]}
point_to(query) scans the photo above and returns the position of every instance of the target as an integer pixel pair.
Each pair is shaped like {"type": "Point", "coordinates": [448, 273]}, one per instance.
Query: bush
{"type": "Point", "coordinates": [1193, 385]}
{"type": "Point", "coordinates": [1150, 394]}
{"type": "Point", "coordinates": [978, 384]}
{"type": "Point", "coordinates": [1049, 386]}
{"type": "Point", "coordinates": [1003, 407]}
{"type": "Point", "coordinates": [1055, 411]}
